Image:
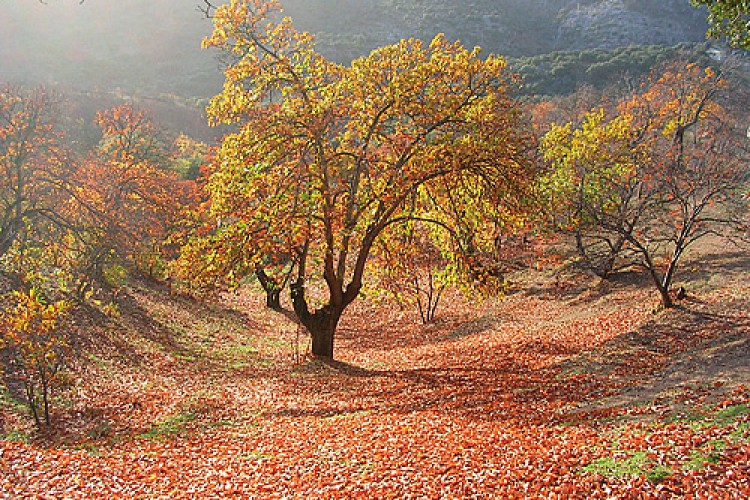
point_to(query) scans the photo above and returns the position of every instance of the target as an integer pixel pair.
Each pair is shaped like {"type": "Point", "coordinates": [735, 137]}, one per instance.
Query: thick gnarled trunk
{"type": "Point", "coordinates": [273, 299]}
{"type": "Point", "coordinates": [323, 333]}
{"type": "Point", "coordinates": [321, 324]}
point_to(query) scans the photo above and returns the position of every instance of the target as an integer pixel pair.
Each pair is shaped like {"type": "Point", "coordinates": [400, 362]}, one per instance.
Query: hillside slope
{"type": "Point", "coordinates": [566, 388]}
{"type": "Point", "coordinates": [515, 28]}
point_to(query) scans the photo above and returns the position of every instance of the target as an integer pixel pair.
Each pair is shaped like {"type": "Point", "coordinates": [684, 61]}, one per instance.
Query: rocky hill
{"type": "Point", "coordinates": [515, 28]}
{"type": "Point", "coordinates": [610, 24]}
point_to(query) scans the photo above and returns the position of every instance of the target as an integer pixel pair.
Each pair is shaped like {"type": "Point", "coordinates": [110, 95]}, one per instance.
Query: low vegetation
{"type": "Point", "coordinates": [562, 73]}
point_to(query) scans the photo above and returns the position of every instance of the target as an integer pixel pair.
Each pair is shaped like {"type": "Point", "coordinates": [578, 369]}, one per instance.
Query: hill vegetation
{"type": "Point", "coordinates": [563, 73]}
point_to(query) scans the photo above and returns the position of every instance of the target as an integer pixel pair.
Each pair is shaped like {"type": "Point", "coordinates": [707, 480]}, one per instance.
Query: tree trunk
{"type": "Point", "coordinates": [666, 300]}
{"type": "Point", "coordinates": [8, 235]}
{"type": "Point", "coordinates": [662, 284]}
{"type": "Point", "coordinates": [271, 287]}
{"type": "Point", "coordinates": [321, 323]}
{"type": "Point", "coordinates": [322, 327]}
{"type": "Point", "coordinates": [322, 341]}
{"type": "Point", "coordinates": [273, 299]}
{"type": "Point", "coordinates": [602, 264]}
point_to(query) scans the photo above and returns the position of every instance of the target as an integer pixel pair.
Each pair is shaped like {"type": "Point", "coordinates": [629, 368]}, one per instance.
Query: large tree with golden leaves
{"type": "Point", "coordinates": [325, 159]}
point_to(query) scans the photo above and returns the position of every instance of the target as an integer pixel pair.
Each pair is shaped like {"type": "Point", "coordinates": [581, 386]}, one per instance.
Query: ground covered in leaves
{"type": "Point", "coordinates": [566, 387]}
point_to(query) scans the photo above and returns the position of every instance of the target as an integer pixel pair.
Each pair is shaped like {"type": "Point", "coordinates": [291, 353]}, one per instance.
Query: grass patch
{"type": "Point", "coordinates": [7, 401]}
{"type": "Point", "coordinates": [742, 432]}
{"type": "Point", "coordinates": [637, 464]}
{"type": "Point", "coordinates": [240, 350]}
{"type": "Point", "coordinates": [699, 460]}
{"type": "Point", "coordinates": [699, 420]}
{"type": "Point", "coordinates": [187, 357]}
{"type": "Point", "coordinates": [239, 353]}
{"type": "Point", "coordinates": [173, 425]}
{"type": "Point", "coordinates": [99, 362]}
{"type": "Point", "coordinates": [730, 413]}
{"type": "Point", "coordinates": [90, 448]}
{"type": "Point", "coordinates": [255, 456]}
{"type": "Point", "coordinates": [696, 418]}
{"type": "Point", "coordinates": [17, 436]}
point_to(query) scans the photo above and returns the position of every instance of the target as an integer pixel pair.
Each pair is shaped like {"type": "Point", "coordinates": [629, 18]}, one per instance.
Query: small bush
{"type": "Point", "coordinates": [32, 334]}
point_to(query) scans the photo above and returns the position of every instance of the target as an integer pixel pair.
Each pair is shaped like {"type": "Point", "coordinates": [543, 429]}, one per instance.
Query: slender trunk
{"type": "Point", "coordinates": [271, 287]}
{"type": "Point", "coordinates": [613, 254]}
{"type": "Point", "coordinates": [604, 266]}
{"type": "Point", "coordinates": [662, 283]}
{"type": "Point", "coordinates": [273, 299]}
{"type": "Point", "coordinates": [9, 234]}
{"type": "Point", "coordinates": [418, 292]}
{"type": "Point", "coordinates": [31, 399]}
{"type": "Point", "coordinates": [45, 398]}
{"type": "Point", "coordinates": [580, 247]}
{"type": "Point", "coordinates": [433, 309]}
{"type": "Point", "coordinates": [665, 285]}
{"type": "Point", "coordinates": [666, 300]}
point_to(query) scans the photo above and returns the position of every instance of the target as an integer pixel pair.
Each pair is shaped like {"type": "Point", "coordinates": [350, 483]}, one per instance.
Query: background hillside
{"type": "Point", "coordinates": [514, 28]}
{"type": "Point", "coordinates": [152, 48]}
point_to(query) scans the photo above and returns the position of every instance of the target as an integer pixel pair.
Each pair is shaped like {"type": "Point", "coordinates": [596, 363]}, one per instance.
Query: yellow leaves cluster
{"type": "Point", "coordinates": [32, 332]}
{"type": "Point", "coordinates": [30, 324]}
{"type": "Point", "coordinates": [590, 161]}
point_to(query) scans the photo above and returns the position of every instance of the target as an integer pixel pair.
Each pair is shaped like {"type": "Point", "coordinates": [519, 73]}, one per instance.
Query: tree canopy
{"type": "Point", "coordinates": [327, 158]}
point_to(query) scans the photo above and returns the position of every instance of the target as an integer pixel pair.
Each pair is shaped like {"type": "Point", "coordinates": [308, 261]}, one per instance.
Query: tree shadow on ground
{"type": "Point", "coordinates": [137, 339]}
{"type": "Point", "coordinates": [501, 388]}
{"type": "Point", "coordinates": [703, 268]}
{"type": "Point", "coordinates": [693, 343]}
{"type": "Point", "coordinates": [169, 334]}
{"type": "Point", "coordinates": [582, 285]}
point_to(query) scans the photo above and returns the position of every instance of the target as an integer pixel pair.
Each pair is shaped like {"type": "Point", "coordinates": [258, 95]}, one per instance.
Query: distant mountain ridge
{"type": "Point", "coordinates": [349, 28]}
{"type": "Point", "coordinates": [152, 48]}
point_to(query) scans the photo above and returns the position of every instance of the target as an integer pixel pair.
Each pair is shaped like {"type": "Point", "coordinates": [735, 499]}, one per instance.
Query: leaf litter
{"type": "Point", "coordinates": [534, 395]}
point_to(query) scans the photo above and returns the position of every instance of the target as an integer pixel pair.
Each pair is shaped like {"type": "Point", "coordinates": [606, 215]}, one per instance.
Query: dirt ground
{"type": "Point", "coordinates": [713, 320]}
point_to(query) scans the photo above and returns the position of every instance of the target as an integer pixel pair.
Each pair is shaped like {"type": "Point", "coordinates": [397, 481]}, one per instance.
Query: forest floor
{"type": "Point", "coordinates": [566, 387]}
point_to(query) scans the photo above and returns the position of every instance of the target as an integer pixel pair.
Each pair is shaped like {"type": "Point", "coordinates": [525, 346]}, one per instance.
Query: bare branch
{"type": "Point", "coordinates": [207, 9]}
